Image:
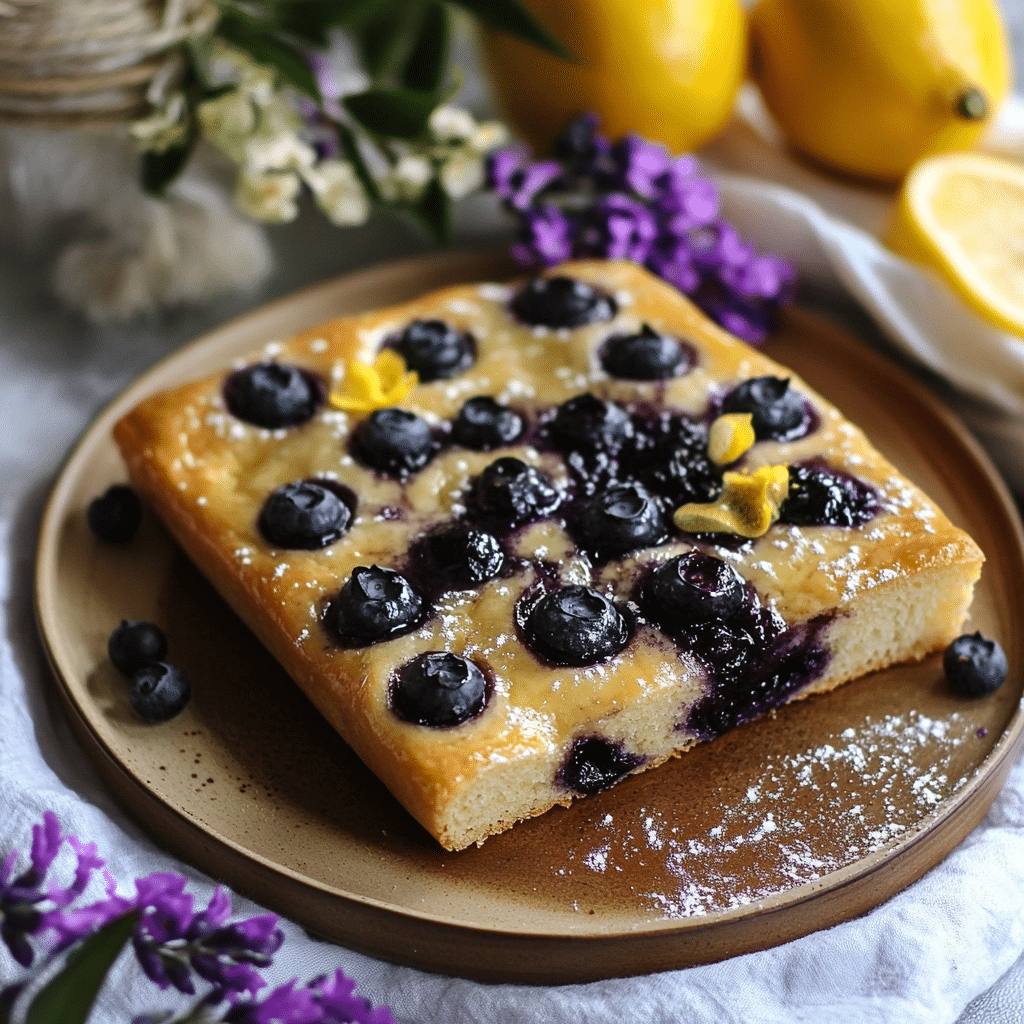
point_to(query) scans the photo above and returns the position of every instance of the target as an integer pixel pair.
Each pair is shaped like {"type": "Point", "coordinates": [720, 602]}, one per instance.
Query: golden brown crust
{"type": "Point", "coordinates": [207, 474]}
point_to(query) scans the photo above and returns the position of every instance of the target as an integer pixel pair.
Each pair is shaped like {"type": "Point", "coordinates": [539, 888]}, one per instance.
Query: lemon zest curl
{"type": "Point", "coordinates": [377, 385]}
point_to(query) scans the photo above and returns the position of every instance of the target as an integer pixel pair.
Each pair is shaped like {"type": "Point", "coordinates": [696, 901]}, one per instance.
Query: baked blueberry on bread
{"type": "Point", "coordinates": [517, 542]}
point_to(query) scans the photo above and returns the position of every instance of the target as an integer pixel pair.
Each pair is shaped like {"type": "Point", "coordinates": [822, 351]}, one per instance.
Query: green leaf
{"type": "Point", "coordinates": [160, 169]}
{"type": "Point", "coordinates": [512, 17]}
{"type": "Point", "coordinates": [392, 113]}
{"type": "Point", "coordinates": [321, 15]}
{"type": "Point", "coordinates": [255, 37]}
{"type": "Point", "coordinates": [68, 997]}
{"type": "Point", "coordinates": [428, 57]}
{"type": "Point", "coordinates": [382, 38]}
{"type": "Point", "coordinates": [433, 212]}
{"type": "Point", "coordinates": [350, 147]}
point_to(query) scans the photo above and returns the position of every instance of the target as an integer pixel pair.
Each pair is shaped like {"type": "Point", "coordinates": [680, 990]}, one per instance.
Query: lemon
{"type": "Point", "coordinates": [668, 70]}
{"type": "Point", "coordinates": [962, 214]}
{"type": "Point", "coordinates": [868, 87]}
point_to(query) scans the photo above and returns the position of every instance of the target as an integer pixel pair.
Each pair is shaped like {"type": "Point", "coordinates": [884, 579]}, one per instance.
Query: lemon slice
{"type": "Point", "coordinates": [962, 214]}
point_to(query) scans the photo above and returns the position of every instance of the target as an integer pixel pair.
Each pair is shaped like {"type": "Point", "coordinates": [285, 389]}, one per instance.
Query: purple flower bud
{"type": "Point", "coordinates": [686, 201]}
{"type": "Point", "coordinates": [340, 1003]}
{"type": "Point", "coordinates": [747, 319]}
{"type": "Point", "coordinates": [516, 180]}
{"type": "Point", "coordinates": [544, 237]}
{"type": "Point", "coordinates": [670, 259]}
{"type": "Point", "coordinates": [763, 277]}
{"type": "Point", "coordinates": [617, 227]}
{"type": "Point", "coordinates": [285, 1004]}
{"type": "Point", "coordinates": [640, 164]}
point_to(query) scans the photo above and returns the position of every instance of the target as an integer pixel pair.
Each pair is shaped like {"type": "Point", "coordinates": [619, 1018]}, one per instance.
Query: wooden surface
{"type": "Point", "coordinates": [790, 824]}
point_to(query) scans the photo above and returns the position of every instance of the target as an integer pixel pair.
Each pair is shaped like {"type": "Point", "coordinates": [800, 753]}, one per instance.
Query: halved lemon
{"type": "Point", "coordinates": [962, 214]}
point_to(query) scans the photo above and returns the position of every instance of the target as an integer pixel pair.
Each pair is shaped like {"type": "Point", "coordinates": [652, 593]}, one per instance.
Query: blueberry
{"type": "Point", "coordinates": [435, 350]}
{"type": "Point", "coordinates": [483, 424]}
{"type": "Point", "coordinates": [974, 665]}
{"type": "Point", "coordinates": [623, 518]}
{"type": "Point", "coordinates": [588, 424]}
{"type": "Point", "coordinates": [645, 356]}
{"type": "Point", "coordinates": [135, 644]}
{"type": "Point", "coordinates": [159, 691]}
{"type": "Point", "coordinates": [115, 515]}
{"type": "Point", "coordinates": [691, 587]}
{"type": "Point", "coordinates": [394, 442]}
{"type": "Point", "coordinates": [513, 493]}
{"type": "Point", "coordinates": [594, 764]}
{"type": "Point", "coordinates": [273, 395]}
{"type": "Point", "coordinates": [304, 515]}
{"type": "Point", "coordinates": [778, 411]}
{"type": "Point", "coordinates": [376, 604]}
{"type": "Point", "coordinates": [576, 626]}
{"type": "Point", "coordinates": [562, 302]}
{"type": "Point", "coordinates": [460, 556]}
{"type": "Point", "coordinates": [439, 689]}
{"type": "Point", "coordinates": [820, 496]}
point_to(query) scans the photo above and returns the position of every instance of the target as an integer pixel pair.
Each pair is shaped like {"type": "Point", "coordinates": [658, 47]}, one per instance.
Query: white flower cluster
{"type": "Point", "coordinates": [454, 151]}
{"type": "Point", "coordinates": [256, 127]}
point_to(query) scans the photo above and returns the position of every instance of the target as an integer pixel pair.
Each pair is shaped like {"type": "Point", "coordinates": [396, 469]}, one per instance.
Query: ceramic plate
{"type": "Point", "coordinates": [793, 823]}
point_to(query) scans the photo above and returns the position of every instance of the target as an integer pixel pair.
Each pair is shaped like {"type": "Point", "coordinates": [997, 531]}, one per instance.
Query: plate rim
{"type": "Point", "coordinates": [991, 773]}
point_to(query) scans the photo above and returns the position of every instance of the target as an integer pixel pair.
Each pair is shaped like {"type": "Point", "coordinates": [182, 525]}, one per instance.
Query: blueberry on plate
{"type": "Point", "coordinates": [460, 556]}
{"type": "Point", "coordinates": [135, 644]}
{"type": "Point", "coordinates": [575, 626]}
{"type": "Point", "coordinates": [394, 442]}
{"type": "Point", "coordinates": [115, 515]}
{"type": "Point", "coordinates": [561, 302]}
{"type": "Point", "coordinates": [159, 691]}
{"type": "Point", "coordinates": [483, 424]}
{"type": "Point", "coordinates": [273, 395]}
{"type": "Point", "coordinates": [594, 764]}
{"type": "Point", "coordinates": [778, 412]}
{"type": "Point", "coordinates": [689, 587]}
{"type": "Point", "coordinates": [512, 493]}
{"type": "Point", "coordinates": [974, 665]}
{"type": "Point", "coordinates": [304, 515]}
{"type": "Point", "coordinates": [435, 350]}
{"type": "Point", "coordinates": [376, 604]}
{"type": "Point", "coordinates": [589, 424]}
{"type": "Point", "coordinates": [647, 355]}
{"type": "Point", "coordinates": [621, 519]}
{"type": "Point", "coordinates": [439, 689]}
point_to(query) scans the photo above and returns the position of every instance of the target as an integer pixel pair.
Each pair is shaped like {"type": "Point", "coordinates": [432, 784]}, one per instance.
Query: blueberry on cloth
{"type": "Point", "coordinates": [974, 665]}
{"type": "Point", "coordinates": [461, 555]}
{"type": "Point", "coordinates": [513, 493]}
{"type": "Point", "coordinates": [439, 689]}
{"type": "Point", "coordinates": [777, 411]}
{"type": "Point", "coordinates": [594, 764]}
{"type": "Point", "coordinates": [303, 515]}
{"type": "Point", "coordinates": [159, 691]}
{"type": "Point", "coordinates": [621, 519]}
{"type": "Point", "coordinates": [393, 442]}
{"type": "Point", "coordinates": [692, 586]}
{"type": "Point", "coordinates": [483, 424]}
{"type": "Point", "coordinates": [115, 515]}
{"type": "Point", "coordinates": [376, 604]}
{"type": "Point", "coordinates": [647, 355]}
{"type": "Point", "coordinates": [135, 644]}
{"type": "Point", "coordinates": [272, 395]}
{"type": "Point", "coordinates": [589, 424]}
{"type": "Point", "coordinates": [435, 350]}
{"type": "Point", "coordinates": [562, 302]}
{"type": "Point", "coordinates": [576, 626]}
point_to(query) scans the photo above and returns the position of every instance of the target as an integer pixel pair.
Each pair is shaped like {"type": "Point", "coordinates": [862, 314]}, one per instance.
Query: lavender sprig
{"type": "Point", "coordinates": [632, 200]}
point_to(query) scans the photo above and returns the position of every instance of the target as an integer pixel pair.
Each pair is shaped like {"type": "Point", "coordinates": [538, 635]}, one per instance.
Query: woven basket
{"type": "Point", "coordinates": [71, 62]}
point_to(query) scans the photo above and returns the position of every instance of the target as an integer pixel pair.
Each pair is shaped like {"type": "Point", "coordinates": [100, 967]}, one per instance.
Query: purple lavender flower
{"type": "Point", "coordinates": [585, 152]}
{"type": "Point", "coordinates": [640, 165]}
{"type": "Point", "coordinates": [285, 1004]}
{"type": "Point", "coordinates": [686, 200]}
{"type": "Point", "coordinates": [747, 319]}
{"type": "Point", "coordinates": [342, 1006]}
{"type": "Point", "coordinates": [517, 180]}
{"type": "Point", "coordinates": [544, 237]}
{"type": "Point", "coordinates": [617, 227]}
{"type": "Point", "coordinates": [671, 260]}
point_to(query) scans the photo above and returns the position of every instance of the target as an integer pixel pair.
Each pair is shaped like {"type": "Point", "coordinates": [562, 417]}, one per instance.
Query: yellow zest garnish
{"type": "Point", "coordinates": [366, 387]}
{"type": "Point", "coordinates": [730, 436]}
{"type": "Point", "coordinates": [747, 506]}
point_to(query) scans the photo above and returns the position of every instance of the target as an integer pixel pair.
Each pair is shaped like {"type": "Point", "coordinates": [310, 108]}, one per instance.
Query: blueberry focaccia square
{"type": "Point", "coordinates": [517, 542]}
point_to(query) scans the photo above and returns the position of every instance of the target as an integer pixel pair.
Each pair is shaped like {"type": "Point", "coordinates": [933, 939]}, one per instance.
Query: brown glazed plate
{"type": "Point", "coordinates": [808, 817]}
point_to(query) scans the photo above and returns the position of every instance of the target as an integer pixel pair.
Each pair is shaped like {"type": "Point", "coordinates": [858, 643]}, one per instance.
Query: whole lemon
{"type": "Point", "coordinates": [870, 86]}
{"type": "Point", "coordinates": [665, 69]}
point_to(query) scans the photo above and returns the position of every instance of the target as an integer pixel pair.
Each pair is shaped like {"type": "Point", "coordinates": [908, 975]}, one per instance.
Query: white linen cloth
{"type": "Point", "coordinates": [921, 958]}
